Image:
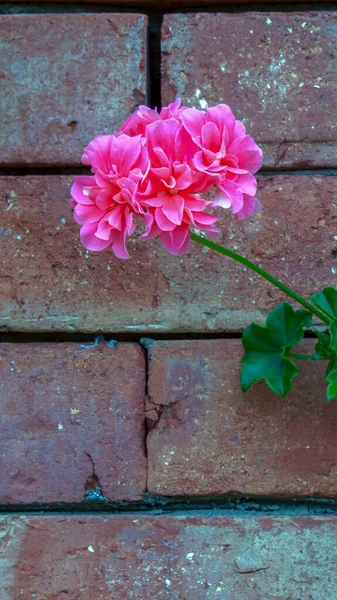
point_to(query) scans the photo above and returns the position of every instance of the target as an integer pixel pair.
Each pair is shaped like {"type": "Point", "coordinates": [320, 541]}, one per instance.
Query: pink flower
{"type": "Point", "coordinates": [104, 204]}
{"type": "Point", "coordinates": [143, 116]}
{"type": "Point", "coordinates": [155, 169]}
{"type": "Point", "coordinates": [170, 193]}
{"type": "Point", "coordinates": [226, 153]}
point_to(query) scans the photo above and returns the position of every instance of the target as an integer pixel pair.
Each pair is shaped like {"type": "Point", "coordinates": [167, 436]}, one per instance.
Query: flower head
{"type": "Point", "coordinates": [228, 154]}
{"type": "Point", "coordinates": [143, 116]}
{"type": "Point", "coordinates": [104, 204]}
{"type": "Point", "coordinates": [171, 194]}
{"type": "Point", "coordinates": [155, 168]}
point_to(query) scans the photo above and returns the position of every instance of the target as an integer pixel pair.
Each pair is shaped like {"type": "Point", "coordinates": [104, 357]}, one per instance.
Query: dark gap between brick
{"type": "Point", "coordinates": [47, 170]}
{"type": "Point", "coordinates": [153, 70]}
{"type": "Point", "coordinates": [176, 7]}
{"type": "Point", "coordinates": [95, 338]}
{"type": "Point", "coordinates": [47, 337]}
{"type": "Point", "coordinates": [206, 506]}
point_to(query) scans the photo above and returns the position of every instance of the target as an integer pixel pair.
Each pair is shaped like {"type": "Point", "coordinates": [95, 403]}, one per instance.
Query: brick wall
{"type": "Point", "coordinates": [131, 465]}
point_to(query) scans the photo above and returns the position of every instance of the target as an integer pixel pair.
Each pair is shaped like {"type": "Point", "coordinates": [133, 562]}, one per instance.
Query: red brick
{"type": "Point", "coordinates": [72, 420]}
{"type": "Point", "coordinates": [166, 4]}
{"type": "Point", "coordinates": [276, 70]}
{"type": "Point", "coordinates": [49, 282]}
{"type": "Point", "coordinates": [143, 557]}
{"type": "Point", "coordinates": [65, 79]}
{"type": "Point", "coordinates": [210, 438]}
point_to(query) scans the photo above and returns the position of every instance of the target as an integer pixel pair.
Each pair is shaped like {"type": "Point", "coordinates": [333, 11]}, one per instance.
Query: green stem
{"type": "Point", "coordinates": [304, 356]}
{"type": "Point", "coordinates": [259, 271]}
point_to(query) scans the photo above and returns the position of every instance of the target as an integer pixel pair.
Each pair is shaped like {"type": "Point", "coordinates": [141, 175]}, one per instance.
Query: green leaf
{"type": "Point", "coordinates": [326, 349]}
{"type": "Point", "coordinates": [267, 348]}
{"type": "Point", "coordinates": [326, 300]}
{"type": "Point", "coordinates": [322, 348]}
{"type": "Point", "coordinates": [331, 379]}
{"type": "Point", "coordinates": [333, 336]}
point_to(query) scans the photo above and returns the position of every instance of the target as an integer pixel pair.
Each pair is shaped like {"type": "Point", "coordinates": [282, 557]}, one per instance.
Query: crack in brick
{"type": "Point", "coordinates": [93, 488]}
{"type": "Point", "coordinates": [154, 411]}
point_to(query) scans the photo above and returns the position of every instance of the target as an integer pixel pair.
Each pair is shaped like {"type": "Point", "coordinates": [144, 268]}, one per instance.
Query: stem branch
{"type": "Point", "coordinates": [259, 271]}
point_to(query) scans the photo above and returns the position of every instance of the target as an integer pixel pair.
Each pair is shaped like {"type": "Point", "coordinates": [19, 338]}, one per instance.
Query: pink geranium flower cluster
{"type": "Point", "coordinates": [155, 169]}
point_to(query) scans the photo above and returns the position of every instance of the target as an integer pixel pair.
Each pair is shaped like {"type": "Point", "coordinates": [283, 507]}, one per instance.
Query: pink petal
{"type": "Point", "coordinates": [194, 202]}
{"type": "Point", "coordinates": [171, 110]}
{"type": "Point", "coordinates": [81, 183]}
{"type": "Point", "coordinates": [159, 158]}
{"type": "Point", "coordinates": [137, 174]}
{"type": "Point", "coordinates": [152, 231]}
{"type": "Point", "coordinates": [193, 120]}
{"type": "Point", "coordinates": [204, 218]}
{"type": "Point", "coordinates": [162, 221]}
{"type": "Point", "coordinates": [104, 180]}
{"type": "Point", "coordinates": [87, 214]}
{"type": "Point", "coordinates": [156, 201]}
{"type": "Point", "coordinates": [99, 153]}
{"type": "Point", "coordinates": [234, 193]}
{"type": "Point", "coordinates": [248, 153]}
{"type": "Point", "coordinates": [118, 245]}
{"type": "Point", "coordinates": [212, 230]}
{"type": "Point", "coordinates": [89, 240]}
{"type": "Point", "coordinates": [161, 172]}
{"type": "Point", "coordinates": [166, 240]}
{"type": "Point", "coordinates": [221, 198]}
{"type": "Point", "coordinates": [247, 184]}
{"type": "Point", "coordinates": [183, 177]}
{"type": "Point", "coordinates": [235, 170]}
{"type": "Point", "coordinates": [149, 223]}
{"type": "Point", "coordinates": [179, 235]}
{"type": "Point", "coordinates": [211, 137]}
{"type": "Point", "coordinates": [103, 230]}
{"type": "Point", "coordinates": [239, 129]}
{"type": "Point", "coordinates": [104, 200]}
{"type": "Point", "coordinates": [137, 122]}
{"type": "Point", "coordinates": [127, 184]}
{"type": "Point", "coordinates": [199, 161]}
{"type": "Point", "coordinates": [173, 208]}
{"type": "Point", "coordinates": [130, 148]}
{"type": "Point", "coordinates": [161, 134]}
{"type": "Point", "coordinates": [221, 115]}
{"type": "Point", "coordinates": [130, 226]}
{"type": "Point", "coordinates": [115, 217]}
{"type": "Point", "coordinates": [251, 206]}
{"type": "Point", "coordinates": [170, 183]}
{"type": "Point", "coordinates": [203, 182]}
{"type": "Point", "coordinates": [185, 146]}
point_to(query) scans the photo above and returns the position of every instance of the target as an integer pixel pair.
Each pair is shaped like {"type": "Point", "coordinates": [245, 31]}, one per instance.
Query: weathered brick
{"type": "Point", "coordinates": [64, 79]}
{"type": "Point", "coordinates": [49, 282]}
{"type": "Point", "coordinates": [166, 4]}
{"type": "Point", "coordinates": [210, 438]}
{"type": "Point", "coordinates": [143, 557]}
{"type": "Point", "coordinates": [72, 421]}
{"type": "Point", "coordinates": [276, 70]}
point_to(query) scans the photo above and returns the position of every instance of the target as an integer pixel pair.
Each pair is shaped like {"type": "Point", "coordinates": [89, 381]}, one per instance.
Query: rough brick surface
{"type": "Point", "coordinates": [278, 72]}
{"type": "Point", "coordinates": [210, 438]}
{"type": "Point", "coordinates": [139, 557]}
{"type": "Point", "coordinates": [71, 421]}
{"type": "Point", "coordinates": [49, 282]}
{"type": "Point", "coordinates": [64, 79]}
{"type": "Point", "coordinates": [165, 4]}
